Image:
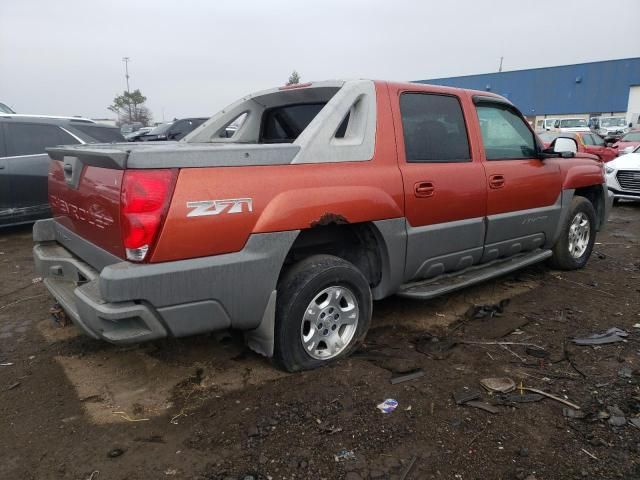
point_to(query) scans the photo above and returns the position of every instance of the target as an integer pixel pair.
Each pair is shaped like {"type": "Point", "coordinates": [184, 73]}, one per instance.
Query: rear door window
{"type": "Point", "coordinates": [285, 124]}
{"type": "Point", "coordinates": [433, 128]}
{"type": "Point", "coordinates": [505, 135]}
{"type": "Point", "coordinates": [597, 140]}
{"type": "Point", "coordinates": [33, 139]}
{"type": "Point", "coordinates": [587, 139]}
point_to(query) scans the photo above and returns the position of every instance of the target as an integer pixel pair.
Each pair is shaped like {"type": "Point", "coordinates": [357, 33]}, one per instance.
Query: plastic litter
{"type": "Point", "coordinates": [483, 406]}
{"type": "Point", "coordinates": [612, 335]}
{"type": "Point", "coordinates": [344, 455]}
{"type": "Point", "coordinates": [7, 364]}
{"type": "Point", "coordinates": [466, 395]}
{"type": "Point", "coordinates": [388, 406]}
{"type": "Point", "coordinates": [499, 385]}
{"type": "Point", "coordinates": [408, 376]}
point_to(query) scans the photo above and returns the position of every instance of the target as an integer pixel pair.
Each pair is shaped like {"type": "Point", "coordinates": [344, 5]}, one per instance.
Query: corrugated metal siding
{"type": "Point", "coordinates": [603, 86]}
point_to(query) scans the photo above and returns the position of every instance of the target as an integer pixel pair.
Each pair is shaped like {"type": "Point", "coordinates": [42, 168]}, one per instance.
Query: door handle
{"type": "Point", "coordinates": [496, 181]}
{"type": "Point", "coordinates": [423, 189]}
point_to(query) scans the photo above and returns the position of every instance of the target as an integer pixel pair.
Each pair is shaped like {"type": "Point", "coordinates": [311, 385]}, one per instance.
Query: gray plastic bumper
{"type": "Point", "coordinates": [130, 303]}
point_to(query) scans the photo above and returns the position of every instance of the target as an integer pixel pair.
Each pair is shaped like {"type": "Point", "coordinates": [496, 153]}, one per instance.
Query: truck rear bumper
{"type": "Point", "coordinates": [130, 303]}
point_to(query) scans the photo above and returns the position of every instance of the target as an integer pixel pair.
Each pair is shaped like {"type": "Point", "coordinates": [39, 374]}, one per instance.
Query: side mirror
{"type": "Point", "coordinates": [564, 145]}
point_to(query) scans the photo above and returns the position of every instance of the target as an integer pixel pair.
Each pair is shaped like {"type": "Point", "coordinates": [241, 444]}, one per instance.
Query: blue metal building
{"type": "Point", "coordinates": [584, 88]}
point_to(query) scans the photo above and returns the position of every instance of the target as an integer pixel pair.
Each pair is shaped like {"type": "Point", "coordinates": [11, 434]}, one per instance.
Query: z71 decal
{"type": "Point", "coordinates": [216, 207]}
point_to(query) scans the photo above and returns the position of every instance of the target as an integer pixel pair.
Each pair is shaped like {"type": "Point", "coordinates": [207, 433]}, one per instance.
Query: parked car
{"type": "Point", "coordinates": [135, 136]}
{"type": "Point", "coordinates": [175, 130]}
{"type": "Point", "coordinates": [571, 125]}
{"type": "Point", "coordinates": [628, 142]}
{"type": "Point", "coordinates": [5, 108]}
{"type": "Point", "coordinates": [327, 196]}
{"type": "Point", "coordinates": [546, 124]}
{"type": "Point", "coordinates": [623, 176]}
{"type": "Point", "coordinates": [609, 127]}
{"type": "Point", "coordinates": [587, 143]}
{"type": "Point", "coordinates": [24, 164]}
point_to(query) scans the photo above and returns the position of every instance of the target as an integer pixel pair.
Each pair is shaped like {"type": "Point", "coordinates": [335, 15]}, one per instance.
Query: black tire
{"type": "Point", "coordinates": [298, 287]}
{"type": "Point", "coordinates": [616, 201]}
{"type": "Point", "coordinates": [562, 259]}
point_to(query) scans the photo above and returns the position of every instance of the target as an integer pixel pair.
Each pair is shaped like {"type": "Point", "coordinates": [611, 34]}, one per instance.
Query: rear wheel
{"type": "Point", "coordinates": [573, 248]}
{"type": "Point", "coordinates": [323, 312]}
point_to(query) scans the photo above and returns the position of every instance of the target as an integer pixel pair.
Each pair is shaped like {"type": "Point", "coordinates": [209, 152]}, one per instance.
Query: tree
{"type": "Point", "coordinates": [294, 78]}
{"type": "Point", "coordinates": [130, 108]}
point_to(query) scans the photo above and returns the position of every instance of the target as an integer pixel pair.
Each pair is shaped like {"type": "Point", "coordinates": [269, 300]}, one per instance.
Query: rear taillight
{"type": "Point", "coordinates": [143, 204]}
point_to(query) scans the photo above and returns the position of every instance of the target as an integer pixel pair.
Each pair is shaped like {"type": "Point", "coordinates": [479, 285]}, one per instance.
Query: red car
{"type": "Point", "coordinates": [587, 143]}
{"type": "Point", "coordinates": [630, 139]}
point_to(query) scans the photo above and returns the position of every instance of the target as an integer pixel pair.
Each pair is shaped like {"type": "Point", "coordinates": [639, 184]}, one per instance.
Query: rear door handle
{"type": "Point", "coordinates": [496, 181]}
{"type": "Point", "coordinates": [423, 189]}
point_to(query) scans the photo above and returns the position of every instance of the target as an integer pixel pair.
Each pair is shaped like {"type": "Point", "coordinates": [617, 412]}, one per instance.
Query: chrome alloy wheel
{"type": "Point", "coordinates": [579, 232]}
{"type": "Point", "coordinates": [329, 323]}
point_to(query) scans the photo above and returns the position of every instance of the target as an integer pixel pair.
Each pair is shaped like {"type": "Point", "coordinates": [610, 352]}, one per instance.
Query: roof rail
{"type": "Point", "coordinates": [58, 117]}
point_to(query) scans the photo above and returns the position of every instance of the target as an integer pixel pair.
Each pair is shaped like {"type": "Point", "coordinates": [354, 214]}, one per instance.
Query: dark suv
{"type": "Point", "coordinates": [24, 164]}
{"type": "Point", "coordinates": [175, 130]}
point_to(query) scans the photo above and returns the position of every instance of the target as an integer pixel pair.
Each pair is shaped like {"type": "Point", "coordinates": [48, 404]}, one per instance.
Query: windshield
{"type": "Point", "coordinates": [631, 137]}
{"type": "Point", "coordinates": [572, 123]}
{"type": "Point", "coordinates": [5, 109]}
{"type": "Point", "coordinates": [612, 121]}
{"type": "Point", "coordinates": [160, 129]}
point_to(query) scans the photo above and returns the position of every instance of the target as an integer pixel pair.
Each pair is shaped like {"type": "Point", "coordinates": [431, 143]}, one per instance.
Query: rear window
{"type": "Point", "coordinates": [100, 134]}
{"type": "Point", "coordinates": [32, 139]}
{"type": "Point", "coordinates": [284, 124]}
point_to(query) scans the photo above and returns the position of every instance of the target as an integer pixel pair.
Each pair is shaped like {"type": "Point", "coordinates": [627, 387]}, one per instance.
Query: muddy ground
{"type": "Point", "coordinates": [207, 408]}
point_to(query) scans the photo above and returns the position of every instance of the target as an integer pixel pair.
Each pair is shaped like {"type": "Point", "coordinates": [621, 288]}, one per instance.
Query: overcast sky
{"type": "Point", "coordinates": [193, 57]}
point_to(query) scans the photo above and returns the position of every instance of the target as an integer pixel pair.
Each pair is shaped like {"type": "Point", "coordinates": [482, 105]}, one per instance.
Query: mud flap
{"type": "Point", "coordinates": [260, 339]}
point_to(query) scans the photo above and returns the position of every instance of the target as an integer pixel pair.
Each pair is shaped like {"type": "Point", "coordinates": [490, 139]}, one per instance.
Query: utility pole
{"type": "Point", "coordinates": [499, 69]}
{"type": "Point", "coordinates": [126, 61]}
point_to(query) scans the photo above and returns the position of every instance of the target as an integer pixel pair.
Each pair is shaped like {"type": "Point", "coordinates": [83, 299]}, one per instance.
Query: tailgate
{"type": "Point", "coordinates": [85, 198]}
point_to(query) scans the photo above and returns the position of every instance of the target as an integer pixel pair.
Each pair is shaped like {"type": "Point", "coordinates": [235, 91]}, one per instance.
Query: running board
{"type": "Point", "coordinates": [434, 287]}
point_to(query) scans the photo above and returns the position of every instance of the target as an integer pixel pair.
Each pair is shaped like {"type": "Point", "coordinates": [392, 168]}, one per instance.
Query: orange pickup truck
{"type": "Point", "coordinates": [287, 213]}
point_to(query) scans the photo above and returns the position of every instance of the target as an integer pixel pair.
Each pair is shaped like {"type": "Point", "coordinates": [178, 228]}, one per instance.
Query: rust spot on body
{"type": "Point", "coordinates": [329, 219]}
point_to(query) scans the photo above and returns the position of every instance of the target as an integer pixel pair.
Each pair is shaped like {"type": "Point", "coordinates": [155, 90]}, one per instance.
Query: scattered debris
{"type": "Point", "coordinates": [128, 418]}
{"type": "Point", "coordinates": [473, 342]}
{"type": "Point", "coordinates": [409, 467]}
{"type": "Point", "coordinates": [553, 397]}
{"type": "Point", "coordinates": [7, 364]}
{"type": "Point", "coordinates": [93, 475]}
{"type": "Point", "coordinates": [407, 377]}
{"type": "Point", "coordinates": [483, 406]}
{"type": "Point", "coordinates": [344, 455]}
{"type": "Point", "coordinates": [498, 385]}
{"type": "Point", "coordinates": [466, 395]}
{"type": "Point", "coordinates": [331, 430]}
{"type": "Point", "coordinates": [116, 452]}
{"type": "Point", "coordinates": [617, 421]}
{"type": "Point", "coordinates": [625, 372]}
{"type": "Point", "coordinates": [590, 454]}
{"type": "Point", "coordinates": [388, 406]}
{"type": "Point", "coordinates": [438, 348]}
{"type": "Point", "coordinates": [170, 471]}
{"type": "Point", "coordinates": [487, 311]}
{"type": "Point", "coordinates": [570, 413]}
{"type": "Point", "coordinates": [521, 398]}
{"type": "Point", "coordinates": [637, 325]}
{"type": "Point", "coordinates": [537, 352]}
{"type": "Point", "coordinates": [36, 280]}
{"type": "Point", "coordinates": [635, 422]}
{"type": "Point", "coordinates": [612, 335]}
{"type": "Point", "coordinates": [13, 385]}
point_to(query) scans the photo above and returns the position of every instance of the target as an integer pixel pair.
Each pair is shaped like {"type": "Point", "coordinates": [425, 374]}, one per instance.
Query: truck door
{"type": "Point", "coordinates": [444, 186]}
{"type": "Point", "coordinates": [524, 194]}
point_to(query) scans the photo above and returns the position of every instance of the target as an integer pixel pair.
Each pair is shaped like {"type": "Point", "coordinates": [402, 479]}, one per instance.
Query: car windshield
{"type": "Point", "coordinates": [612, 121]}
{"type": "Point", "coordinates": [160, 129]}
{"type": "Point", "coordinates": [631, 137]}
{"type": "Point", "coordinates": [5, 109]}
{"type": "Point", "coordinates": [572, 123]}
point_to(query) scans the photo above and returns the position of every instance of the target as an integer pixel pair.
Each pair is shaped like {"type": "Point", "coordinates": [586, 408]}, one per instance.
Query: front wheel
{"type": "Point", "coordinates": [323, 312]}
{"type": "Point", "coordinates": [573, 248]}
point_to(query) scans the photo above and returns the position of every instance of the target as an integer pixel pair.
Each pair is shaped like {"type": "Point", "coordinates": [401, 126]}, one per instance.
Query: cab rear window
{"type": "Point", "coordinates": [284, 124]}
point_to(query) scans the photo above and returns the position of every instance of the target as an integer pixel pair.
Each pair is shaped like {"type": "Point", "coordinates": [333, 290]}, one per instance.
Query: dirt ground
{"type": "Point", "coordinates": [207, 408]}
